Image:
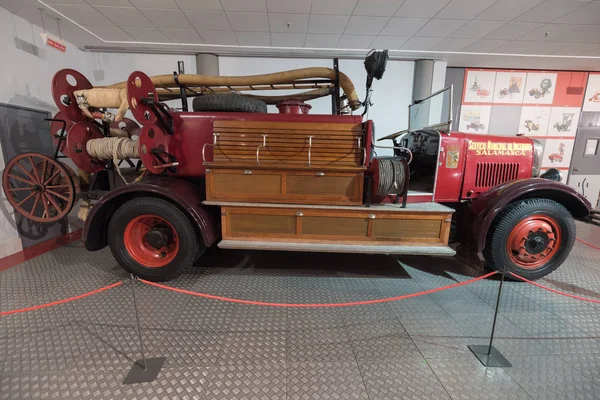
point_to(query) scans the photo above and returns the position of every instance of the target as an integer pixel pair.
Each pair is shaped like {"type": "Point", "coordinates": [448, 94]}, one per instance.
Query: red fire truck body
{"type": "Point", "coordinates": [296, 182]}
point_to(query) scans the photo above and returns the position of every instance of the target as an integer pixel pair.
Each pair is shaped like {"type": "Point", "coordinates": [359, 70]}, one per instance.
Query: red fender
{"type": "Point", "coordinates": [186, 195]}
{"type": "Point", "coordinates": [482, 210]}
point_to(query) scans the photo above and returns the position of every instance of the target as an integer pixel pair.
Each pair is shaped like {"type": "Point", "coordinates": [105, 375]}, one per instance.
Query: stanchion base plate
{"type": "Point", "coordinates": [137, 373]}
{"type": "Point", "coordinates": [494, 359]}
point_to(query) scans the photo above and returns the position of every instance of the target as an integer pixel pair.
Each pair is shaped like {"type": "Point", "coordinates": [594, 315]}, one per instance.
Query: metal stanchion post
{"type": "Point", "coordinates": [488, 355]}
{"type": "Point", "coordinates": [144, 370]}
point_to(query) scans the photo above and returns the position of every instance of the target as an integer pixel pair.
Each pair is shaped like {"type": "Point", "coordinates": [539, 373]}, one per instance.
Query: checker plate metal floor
{"type": "Point", "coordinates": [410, 349]}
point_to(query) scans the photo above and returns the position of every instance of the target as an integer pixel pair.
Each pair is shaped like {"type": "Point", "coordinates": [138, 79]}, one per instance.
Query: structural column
{"type": "Point", "coordinates": [207, 64]}
{"type": "Point", "coordinates": [430, 76]}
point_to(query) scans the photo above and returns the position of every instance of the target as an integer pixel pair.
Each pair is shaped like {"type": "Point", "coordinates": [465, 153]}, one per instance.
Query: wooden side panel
{"type": "Point", "coordinates": [223, 184]}
{"type": "Point", "coordinates": [329, 185]}
{"type": "Point", "coordinates": [264, 224]}
{"type": "Point", "coordinates": [406, 228]}
{"type": "Point", "coordinates": [240, 183]}
{"type": "Point", "coordinates": [334, 226]}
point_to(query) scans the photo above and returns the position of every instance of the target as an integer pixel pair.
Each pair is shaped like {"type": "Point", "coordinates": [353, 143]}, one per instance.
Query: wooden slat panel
{"type": "Point", "coordinates": [224, 166]}
{"type": "Point", "coordinates": [250, 158]}
{"type": "Point", "coordinates": [338, 135]}
{"type": "Point", "coordinates": [282, 136]}
{"type": "Point", "coordinates": [287, 143]}
{"type": "Point", "coordinates": [257, 223]}
{"type": "Point", "coordinates": [282, 151]}
{"type": "Point", "coordinates": [406, 228]}
{"type": "Point", "coordinates": [292, 126]}
{"type": "Point", "coordinates": [330, 145]}
{"type": "Point", "coordinates": [263, 184]}
{"type": "Point", "coordinates": [321, 185]}
{"type": "Point", "coordinates": [317, 146]}
{"type": "Point", "coordinates": [334, 226]}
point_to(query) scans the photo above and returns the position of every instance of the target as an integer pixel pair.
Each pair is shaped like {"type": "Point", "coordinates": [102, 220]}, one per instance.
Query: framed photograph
{"type": "Point", "coordinates": [540, 88]}
{"type": "Point", "coordinates": [510, 87]}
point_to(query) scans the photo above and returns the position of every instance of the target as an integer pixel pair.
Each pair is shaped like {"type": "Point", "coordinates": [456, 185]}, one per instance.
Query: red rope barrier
{"type": "Point", "coordinates": [306, 305]}
{"type": "Point", "coordinates": [555, 290]}
{"type": "Point", "coordinates": [55, 303]}
{"type": "Point", "coordinates": [589, 244]}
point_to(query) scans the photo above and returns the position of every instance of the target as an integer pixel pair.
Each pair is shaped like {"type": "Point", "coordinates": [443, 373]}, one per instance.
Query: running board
{"type": "Point", "coordinates": [432, 250]}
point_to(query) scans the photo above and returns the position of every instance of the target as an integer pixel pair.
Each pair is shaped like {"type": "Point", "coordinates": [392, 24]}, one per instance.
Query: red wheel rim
{"type": "Point", "coordinates": [151, 240]}
{"type": "Point", "coordinates": [534, 241]}
{"type": "Point", "coordinates": [38, 187]}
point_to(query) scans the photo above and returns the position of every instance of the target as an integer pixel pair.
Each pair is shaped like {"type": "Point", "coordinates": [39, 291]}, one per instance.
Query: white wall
{"type": "Point", "coordinates": [108, 68]}
{"type": "Point", "coordinates": [25, 81]}
{"type": "Point", "coordinates": [391, 96]}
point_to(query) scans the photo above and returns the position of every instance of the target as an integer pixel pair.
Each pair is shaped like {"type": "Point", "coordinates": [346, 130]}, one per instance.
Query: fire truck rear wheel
{"type": "Point", "coordinates": [153, 239]}
{"type": "Point", "coordinates": [531, 237]}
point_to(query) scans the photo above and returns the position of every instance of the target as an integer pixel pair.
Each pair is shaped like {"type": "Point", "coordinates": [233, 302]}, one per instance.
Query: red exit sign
{"type": "Point", "coordinates": [54, 42]}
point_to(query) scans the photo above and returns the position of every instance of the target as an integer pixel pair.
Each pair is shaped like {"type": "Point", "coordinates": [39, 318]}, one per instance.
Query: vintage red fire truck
{"type": "Point", "coordinates": [233, 175]}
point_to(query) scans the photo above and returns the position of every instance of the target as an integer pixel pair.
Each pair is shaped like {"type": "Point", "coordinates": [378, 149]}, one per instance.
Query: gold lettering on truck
{"type": "Point", "coordinates": [490, 148]}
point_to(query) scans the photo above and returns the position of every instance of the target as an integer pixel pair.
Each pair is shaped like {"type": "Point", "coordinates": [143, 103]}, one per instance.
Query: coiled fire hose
{"type": "Point", "coordinates": [116, 132]}
{"type": "Point", "coordinates": [113, 148]}
{"type": "Point", "coordinates": [391, 175]}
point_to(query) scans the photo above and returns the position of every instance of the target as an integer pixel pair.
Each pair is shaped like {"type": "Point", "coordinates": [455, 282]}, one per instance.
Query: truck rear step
{"type": "Point", "coordinates": [337, 247]}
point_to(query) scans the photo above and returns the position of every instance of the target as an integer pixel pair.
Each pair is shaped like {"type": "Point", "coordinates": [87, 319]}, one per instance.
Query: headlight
{"type": "Point", "coordinates": [538, 151]}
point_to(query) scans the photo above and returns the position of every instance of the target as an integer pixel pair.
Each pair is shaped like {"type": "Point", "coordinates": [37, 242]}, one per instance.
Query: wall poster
{"type": "Point", "coordinates": [544, 105]}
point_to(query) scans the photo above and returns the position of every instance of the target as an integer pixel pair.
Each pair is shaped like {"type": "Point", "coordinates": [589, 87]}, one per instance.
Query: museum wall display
{"type": "Point", "coordinates": [544, 105]}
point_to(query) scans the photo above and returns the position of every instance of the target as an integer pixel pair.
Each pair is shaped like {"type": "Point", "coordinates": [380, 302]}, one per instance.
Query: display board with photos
{"type": "Point", "coordinates": [545, 105]}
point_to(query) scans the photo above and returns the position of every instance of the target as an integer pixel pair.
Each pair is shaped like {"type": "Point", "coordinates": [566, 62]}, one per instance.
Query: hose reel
{"type": "Point", "coordinates": [390, 176]}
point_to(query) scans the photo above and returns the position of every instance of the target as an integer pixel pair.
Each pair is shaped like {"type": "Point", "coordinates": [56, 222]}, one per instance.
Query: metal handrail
{"type": "Point", "coordinates": [395, 147]}
{"type": "Point", "coordinates": [213, 144]}
{"type": "Point", "coordinates": [450, 109]}
{"type": "Point", "coordinates": [263, 145]}
{"type": "Point", "coordinates": [310, 138]}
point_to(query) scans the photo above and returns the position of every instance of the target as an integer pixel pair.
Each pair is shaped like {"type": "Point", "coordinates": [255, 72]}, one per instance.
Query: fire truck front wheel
{"type": "Point", "coordinates": [153, 239]}
{"type": "Point", "coordinates": [530, 237]}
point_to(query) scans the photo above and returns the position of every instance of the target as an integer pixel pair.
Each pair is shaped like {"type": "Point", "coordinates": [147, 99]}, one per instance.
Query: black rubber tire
{"type": "Point", "coordinates": [495, 251]}
{"type": "Point", "coordinates": [190, 247]}
{"type": "Point", "coordinates": [228, 102]}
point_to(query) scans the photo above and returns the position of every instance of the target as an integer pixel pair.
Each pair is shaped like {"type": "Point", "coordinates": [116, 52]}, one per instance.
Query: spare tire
{"type": "Point", "coordinates": [228, 102]}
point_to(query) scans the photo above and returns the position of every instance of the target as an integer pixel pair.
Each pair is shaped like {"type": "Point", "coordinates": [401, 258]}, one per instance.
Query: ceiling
{"type": "Point", "coordinates": [495, 33]}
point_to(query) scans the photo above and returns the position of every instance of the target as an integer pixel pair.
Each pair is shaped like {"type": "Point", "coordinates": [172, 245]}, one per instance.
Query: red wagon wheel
{"type": "Point", "coordinates": [38, 187]}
